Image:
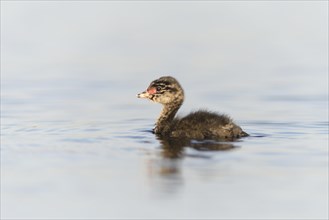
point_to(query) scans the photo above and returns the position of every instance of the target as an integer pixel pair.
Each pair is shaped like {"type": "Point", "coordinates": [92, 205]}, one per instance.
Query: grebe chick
{"type": "Point", "coordinates": [197, 125]}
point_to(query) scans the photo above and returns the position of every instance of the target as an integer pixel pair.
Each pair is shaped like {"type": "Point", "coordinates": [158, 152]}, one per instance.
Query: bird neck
{"type": "Point", "coordinates": [166, 117]}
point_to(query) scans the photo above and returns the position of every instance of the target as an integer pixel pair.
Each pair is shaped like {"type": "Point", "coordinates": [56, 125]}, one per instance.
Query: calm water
{"type": "Point", "coordinates": [76, 142]}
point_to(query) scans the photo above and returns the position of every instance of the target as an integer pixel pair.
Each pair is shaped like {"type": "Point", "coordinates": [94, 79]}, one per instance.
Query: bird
{"type": "Point", "coordinates": [198, 125]}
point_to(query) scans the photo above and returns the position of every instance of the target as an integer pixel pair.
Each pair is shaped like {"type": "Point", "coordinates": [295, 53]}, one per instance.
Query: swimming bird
{"type": "Point", "coordinates": [199, 125]}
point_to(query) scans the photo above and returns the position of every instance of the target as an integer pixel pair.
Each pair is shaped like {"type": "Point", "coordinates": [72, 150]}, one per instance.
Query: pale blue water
{"type": "Point", "coordinates": [76, 142]}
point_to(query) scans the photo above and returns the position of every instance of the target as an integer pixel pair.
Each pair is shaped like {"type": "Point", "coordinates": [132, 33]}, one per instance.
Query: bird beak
{"type": "Point", "coordinates": [144, 94]}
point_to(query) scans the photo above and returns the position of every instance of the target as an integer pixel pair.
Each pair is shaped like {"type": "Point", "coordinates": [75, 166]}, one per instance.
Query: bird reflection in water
{"type": "Point", "coordinates": [174, 147]}
{"type": "Point", "coordinates": [173, 150]}
{"type": "Point", "coordinates": [167, 172]}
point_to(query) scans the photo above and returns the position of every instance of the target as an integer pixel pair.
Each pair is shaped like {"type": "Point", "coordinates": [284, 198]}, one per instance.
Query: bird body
{"type": "Point", "coordinates": [198, 125]}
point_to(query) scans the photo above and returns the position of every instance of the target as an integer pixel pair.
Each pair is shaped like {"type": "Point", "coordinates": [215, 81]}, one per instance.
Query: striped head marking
{"type": "Point", "coordinates": [163, 90]}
